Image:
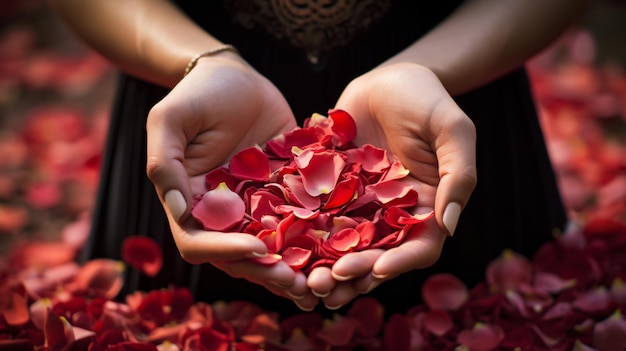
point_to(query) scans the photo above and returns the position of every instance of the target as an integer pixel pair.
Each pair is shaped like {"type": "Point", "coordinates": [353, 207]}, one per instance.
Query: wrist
{"type": "Point", "coordinates": [223, 50]}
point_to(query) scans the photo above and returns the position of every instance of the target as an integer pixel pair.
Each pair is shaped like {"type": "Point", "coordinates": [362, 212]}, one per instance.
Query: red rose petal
{"type": "Point", "coordinates": [343, 193]}
{"type": "Point", "coordinates": [14, 306]}
{"type": "Point", "coordinates": [371, 158]}
{"type": "Point", "coordinates": [397, 333]}
{"type": "Point", "coordinates": [482, 337]}
{"type": "Point", "coordinates": [100, 277]}
{"type": "Point", "coordinates": [296, 257]}
{"type": "Point", "coordinates": [344, 240]}
{"type": "Point", "coordinates": [343, 127]}
{"type": "Point", "coordinates": [444, 291]}
{"type": "Point", "coordinates": [509, 271]}
{"type": "Point", "coordinates": [57, 331]}
{"type": "Point", "coordinates": [250, 164]}
{"type": "Point", "coordinates": [610, 334]}
{"type": "Point", "coordinates": [143, 253]}
{"type": "Point", "coordinates": [438, 322]}
{"type": "Point", "coordinates": [338, 332]}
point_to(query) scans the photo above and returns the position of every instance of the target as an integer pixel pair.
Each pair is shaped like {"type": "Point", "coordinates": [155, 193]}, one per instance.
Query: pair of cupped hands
{"type": "Point", "coordinates": [224, 105]}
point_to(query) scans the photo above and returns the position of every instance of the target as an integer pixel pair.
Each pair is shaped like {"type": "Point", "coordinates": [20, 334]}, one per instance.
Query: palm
{"type": "Point", "coordinates": [220, 108]}
{"type": "Point", "coordinates": [405, 109]}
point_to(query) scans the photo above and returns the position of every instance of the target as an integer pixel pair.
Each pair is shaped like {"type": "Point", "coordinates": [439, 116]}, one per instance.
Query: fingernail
{"type": "Point", "coordinates": [333, 307]}
{"type": "Point", "coordinates": [380, 276]}
{"type": "Point", "coordinates": [320, 295]}
{"type": "Point", "coordinates": [341, 278]}
{"type": "Point", "coordinates": [257, 254]}
{"type": "Point", "coordinates": [303, 308]}
{"type": "Point", "coordinates": [295, 296]}
{"type": "Point", "coordinates": [370, 288]}
{"type": "Point", "coordinates": [451, 217]}
{"type": "Point", "coordinates": [176, 203]}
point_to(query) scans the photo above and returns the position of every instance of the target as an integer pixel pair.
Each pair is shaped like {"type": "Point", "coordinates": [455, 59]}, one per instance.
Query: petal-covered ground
{"type": "Point", "coordinates": [54, 100]}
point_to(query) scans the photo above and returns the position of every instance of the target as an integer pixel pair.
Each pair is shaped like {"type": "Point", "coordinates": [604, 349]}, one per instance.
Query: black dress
{"type": "Point", "coordinates": [515, 205]}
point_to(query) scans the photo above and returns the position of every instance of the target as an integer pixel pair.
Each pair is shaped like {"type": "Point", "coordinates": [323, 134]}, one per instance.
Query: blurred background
{"type": "Point", "coordinates": [55, 96]}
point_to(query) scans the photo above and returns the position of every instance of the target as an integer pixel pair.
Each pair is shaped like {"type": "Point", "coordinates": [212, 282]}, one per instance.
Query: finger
{"type": "Point", "coordinates": [341, 295]}
{"type": "Point", "coordinates": [321, 281]}
{"type": "Point", "coordinates": [165, 155]}
{"type": "Point", "coordinates": [455, 147]}
{"type": "Point", "coordinates": [299, 289]}
{"type": "Point", "coordinates": [421, 249]}
{"type": "Point", "coordinates": [367, 283]}
{"type": "Point", "coordinates": [278, 274]}
{"type": "Point", "coordinates": [199, 246]}
{"type": "Point", "coordinates": [356, 264]}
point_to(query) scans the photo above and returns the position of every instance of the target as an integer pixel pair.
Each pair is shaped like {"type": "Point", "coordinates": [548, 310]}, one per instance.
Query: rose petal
{"type": "Point", "coordinates": [298, 193]}
{"type": "Point", "coordinates": [438, 322]}
{"type": "Point", "coordinates": [509, 271]}
{"type": "Point", "coordinates": [444, 291]}
{"type": "Point", "coordinates": [397, 333]}
{"type": "Point", "coordinates": [371, 158]}
{"type": "Point", "coordinates": [395, 193]}
{"type": "Point", "coordinates": [58, 332]}
{"type": "Point", "coordinates": [100, 277]}
{"type": "Point", "coordinates": [14, 306]}
{"type": "Point", "coordinates": [610, 334]}
{"type": "Point", "coordinates": [219, 209]}
{"type": "Point", "coordinates": [482, 337]}
{"type": "Point", "coordinates": [339, 332]}
{"type": "Point", "coordinates": [321, 173]}
{"type": "Point", "coordinates": [395, 171]}
{"type": "Point", "coordinates": [343, 193]}
{"type": "Point", "coordinates": [343, 127]}
{"type": "Point", "coordinates": [344, 240]}
{"type": "Point", "coordinates": [371, 313]}
{"type": "Point", "coordinates": [143, 253]}
{"type": "Point", "coordinates": [250, 164]}
{"type": "Point", "coordinates": [296, 257]}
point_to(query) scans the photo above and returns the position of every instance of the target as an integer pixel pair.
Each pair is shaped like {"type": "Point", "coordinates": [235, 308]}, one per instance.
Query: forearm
{"type": "Point", "coordinates": [485, 39]}
{"type": "Point", "coordinates": [150, 39]}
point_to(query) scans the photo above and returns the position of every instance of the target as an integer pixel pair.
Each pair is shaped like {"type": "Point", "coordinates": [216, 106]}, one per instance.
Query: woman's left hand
{"type": "Point", "coordinates": [405, 109]}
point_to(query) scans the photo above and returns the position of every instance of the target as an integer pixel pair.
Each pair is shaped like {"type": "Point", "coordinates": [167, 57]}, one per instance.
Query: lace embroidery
{"type": "Point", "coordinates": [313, 25]}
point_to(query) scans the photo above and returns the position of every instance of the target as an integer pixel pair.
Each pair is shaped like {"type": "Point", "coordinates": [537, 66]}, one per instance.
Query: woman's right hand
{"type": "Point", "coordinates": [220, 107]}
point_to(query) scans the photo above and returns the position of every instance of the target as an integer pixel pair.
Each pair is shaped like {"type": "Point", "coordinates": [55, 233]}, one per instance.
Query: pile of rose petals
{"type": "Point", "coordinates": [312, 196]}
{"type": "Point", "coordinates": [570, 296]}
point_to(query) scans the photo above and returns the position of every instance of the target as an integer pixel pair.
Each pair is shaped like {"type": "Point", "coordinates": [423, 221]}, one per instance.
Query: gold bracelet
{"type": "Point", "coordinates": [194, 60]}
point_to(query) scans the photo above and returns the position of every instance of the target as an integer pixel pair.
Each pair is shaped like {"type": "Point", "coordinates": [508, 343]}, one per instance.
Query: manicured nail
{"type": "Point", "coordinates": [333, 307]}
{"type": "Point", "coordinates": [176, 203]}
{"type": "Point", "coordinates": [451, 216]}
{"type": "Point", "coordinates": [370, 288]}
{"type": "Point", "coordinates": [257, 254]}
{"type": "Point", "coordinates": [380, 276]}
{"type": "Point", "coordinates": [341, 278]}
{"type": "Point", "coordinates": [295, 296]}
{"type": "Point", "coordinates": [303, 308]}
{"type": "Point", "coordinates": [320, 295]}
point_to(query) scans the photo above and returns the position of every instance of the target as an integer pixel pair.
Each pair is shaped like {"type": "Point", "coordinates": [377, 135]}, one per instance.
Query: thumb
{"type": "Point", "coordinates": [165, 168]}
{"type": "Point", "coordinates": [456, 154]}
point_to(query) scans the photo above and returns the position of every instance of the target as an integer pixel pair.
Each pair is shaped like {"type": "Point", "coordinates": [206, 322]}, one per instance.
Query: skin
{"type": "Point", "coordinates": [405, 105]}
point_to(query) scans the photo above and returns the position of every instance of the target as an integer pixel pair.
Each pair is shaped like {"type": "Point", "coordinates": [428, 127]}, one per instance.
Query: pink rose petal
{"type": "Point", "coordinates": [219, 209]}
{"type": "Point", "coordinates": [321, 173]}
